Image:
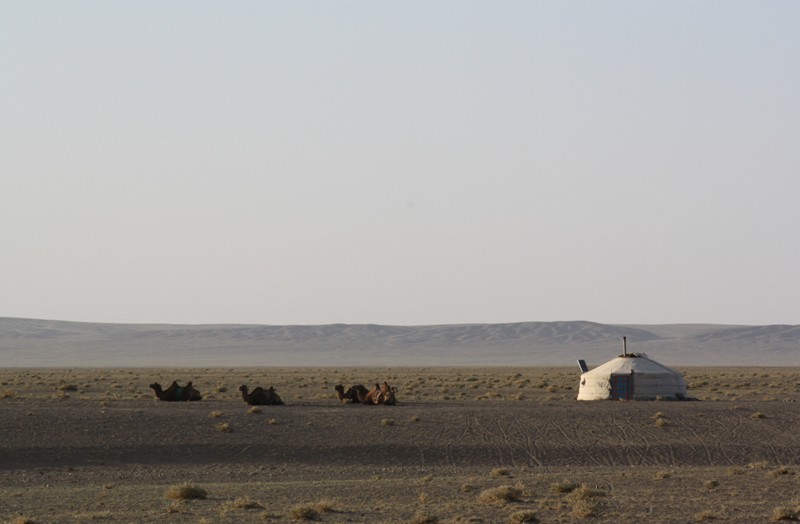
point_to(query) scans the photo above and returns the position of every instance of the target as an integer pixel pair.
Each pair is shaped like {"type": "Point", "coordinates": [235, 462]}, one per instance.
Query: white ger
{"type": "Point", "coordinates": [631, 376]}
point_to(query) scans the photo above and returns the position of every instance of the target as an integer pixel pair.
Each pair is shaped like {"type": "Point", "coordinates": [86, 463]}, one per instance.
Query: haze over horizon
{"type": "Point", "coordinates": [310, 163]}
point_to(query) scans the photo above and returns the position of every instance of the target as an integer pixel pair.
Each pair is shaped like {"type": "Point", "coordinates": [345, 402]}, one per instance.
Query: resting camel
{"type": "Point", "coordinates": [387, 395]}
{"type": "Point", "coordinates": [372, 395]}
{"type": "Point", "coordinates": [358, 394]}
{"type": "Point", "coordinates": [354, 394]}
{"type": "Point", "coordinates": [176, 393]}
{"type": "Point", "coordinates": [260, 396]}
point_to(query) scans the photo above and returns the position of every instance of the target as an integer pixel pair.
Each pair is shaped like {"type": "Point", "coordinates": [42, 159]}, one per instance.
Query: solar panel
{"type": "Point", "coordinates": [582, 364]}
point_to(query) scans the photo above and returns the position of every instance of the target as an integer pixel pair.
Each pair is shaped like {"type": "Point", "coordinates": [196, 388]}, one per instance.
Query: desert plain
{"type": "Point", "coordinates": [470, 444]}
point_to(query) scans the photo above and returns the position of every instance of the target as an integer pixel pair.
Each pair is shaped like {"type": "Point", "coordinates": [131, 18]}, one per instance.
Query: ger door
{"type": "Point", "coordinates": [622, 387]}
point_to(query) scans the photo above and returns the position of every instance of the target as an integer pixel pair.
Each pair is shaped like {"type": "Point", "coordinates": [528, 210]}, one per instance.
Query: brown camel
{"type": "Point", "coordinates": [260, 396]}
{"type": "Point", "coordinates": [344, 399]}
{"type": "Point", "coordinates": [372, 395]}
{"type": "Point", "coordinates": [387, 395]}
{"type": "Point", "coordinates": [354, 394]}
{"type": "Point", "coordinates": [176, 393]}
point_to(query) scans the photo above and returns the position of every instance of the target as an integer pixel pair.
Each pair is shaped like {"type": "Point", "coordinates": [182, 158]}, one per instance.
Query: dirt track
{"type": "Point", "coordinates": [447, 434]}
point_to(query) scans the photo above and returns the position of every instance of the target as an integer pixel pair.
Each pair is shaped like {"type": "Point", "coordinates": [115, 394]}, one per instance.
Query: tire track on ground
{"type": "Point", "coordinates": [622, 430]}
{"type": "Point", "coordinates": [561, 431]}
{"type": "Point", "coordinates": [647, 456]}
{"type": "Point", "coordinates": [467, 428]}
{"type": "Point", "coordinates": [490, 438]}
{"type": "Point", "coordinates": [506, 440]}
{"type": "Point", "coordinates": [531, 449]}
{"type": "Point", "coordinates": [705, 449]}
{"type": "Point", "coordinates": [425, 439]}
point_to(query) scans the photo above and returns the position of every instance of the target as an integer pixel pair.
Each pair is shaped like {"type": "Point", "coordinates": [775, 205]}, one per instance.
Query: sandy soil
{"type": "Point", "coordinates": [86, 445]}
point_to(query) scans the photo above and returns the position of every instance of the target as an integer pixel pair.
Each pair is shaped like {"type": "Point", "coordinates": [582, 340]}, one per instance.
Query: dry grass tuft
{"type": "Point", "coordinates": [8, 393]}
{"type": "Point", "coordinates": [757, 415]}
{"type": "Point", "coordinates": [186, 492]}
{"type": "Point", "coordinates": [327, 505]}
{"type": "Point", "coordinates": [564, 486]}
{"type": "Point", "coordinates": [215, 414]}
{"type": "Point", "coordinates": [583, 509]}
{"type": "Point", "coordinates": [500, 472]}
{"type": "Point", "coordinates": [584, 492]}
{"type": "Point", "coordinates": [710, 484]}
{"type": "Point", "coordinates": [21, 519]}
{"type": "Point", "coordinates": [784, 513]}
{"type": "Point", "coordinates": [424, 518]}
{"type": "Point", "coordinates": [254, 410]}
{"type": "Point", "coordinates": [387, 422]}
{"type": "Point", "coordinates": [272, 421]}
{"type": "Point", "coordinates": [523, 516]}
{"type": "Point", "coordinates": [663, 475]}
{"type": "Point", "coordinates": [500, 495]}
{"type": "Point", "coordinates": [783, 470]}
{"type": "Point", "coordinates": [304, 512]}
{"type": "Point", "coordinates": [238, 504]}
{"type": "Point", "coordinates": [224, 427]}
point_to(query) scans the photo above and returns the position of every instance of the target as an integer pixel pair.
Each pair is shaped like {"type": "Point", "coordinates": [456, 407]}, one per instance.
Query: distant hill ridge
{"type": "Point", "coordinates": [31, 342]}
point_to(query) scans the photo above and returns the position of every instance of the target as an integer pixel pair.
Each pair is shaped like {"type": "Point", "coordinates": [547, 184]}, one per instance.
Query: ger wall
{"type": "Point", "coordinates": [645, 387]}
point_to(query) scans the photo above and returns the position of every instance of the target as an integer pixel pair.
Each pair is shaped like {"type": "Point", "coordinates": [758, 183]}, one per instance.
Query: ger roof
{"type": "Point", "coordinates": [637, 362]}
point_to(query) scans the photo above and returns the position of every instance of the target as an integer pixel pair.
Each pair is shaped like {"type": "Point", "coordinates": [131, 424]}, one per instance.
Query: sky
{"type": "Point", "coordinates": [420, 162]}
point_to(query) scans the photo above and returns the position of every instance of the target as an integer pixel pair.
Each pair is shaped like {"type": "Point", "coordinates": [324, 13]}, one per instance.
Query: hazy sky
{"type": "Point", "coordinates": [400, 162]}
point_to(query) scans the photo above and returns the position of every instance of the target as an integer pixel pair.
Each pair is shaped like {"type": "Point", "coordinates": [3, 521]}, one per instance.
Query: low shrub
{"type": "Point", "coordinates": [784, 513]}
{"type": "Point", "coordinates": [500, 495]}
{"type": "Point", "coordinates": [704, 515]}
{"type": "Point", "coordinates": [304, 512]}
{"type": "Point", "coordinates": [424, 518]}
{"type": "Point", "coordinates": [564, 486]}
{"type": "Point", "coordinates": [239, 504]}
{"type": "Point", "coordinates": [583, 509]}
{"type": "Point", "coordinates": [523, 516]}
{"type": "Point", "coordinates": [327, 505]}
{"type": "Point", "coordinates": [186, 492]}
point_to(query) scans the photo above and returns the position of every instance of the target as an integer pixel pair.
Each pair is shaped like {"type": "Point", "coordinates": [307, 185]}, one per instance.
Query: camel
{"type": "Point", "coordinates": [176, 393]}
{"type": "Point", "coordinates": [260, 396]}
{"type": "Point", "coordinates": [358, 394]}
{"type": "Point", "coordinates": [372, 395]}
{"type": "Point", "coordinates": [354, 394]}
{"type": "Point", "coordinates": [387, 395]}
{"type": "Point", "coordinates": [343, 398]}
